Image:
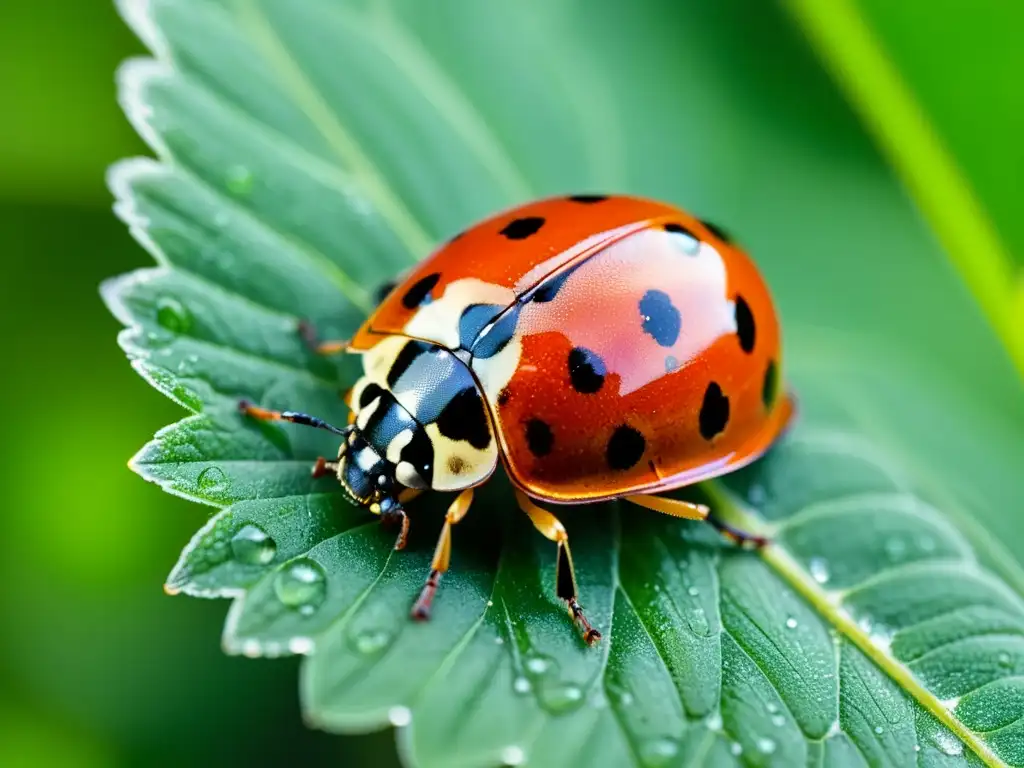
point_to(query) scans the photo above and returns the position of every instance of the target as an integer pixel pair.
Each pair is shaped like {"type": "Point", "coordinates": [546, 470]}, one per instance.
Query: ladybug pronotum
{"type": "Point", "coordinates": [599, 347]}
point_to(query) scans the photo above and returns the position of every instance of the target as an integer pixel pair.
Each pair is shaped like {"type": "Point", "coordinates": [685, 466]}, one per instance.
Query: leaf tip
{"type": "Point", "coordinates": [171, 589]}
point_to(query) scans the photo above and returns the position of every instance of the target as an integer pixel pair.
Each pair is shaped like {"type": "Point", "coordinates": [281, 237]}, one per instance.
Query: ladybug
{"type": "Point", "coordinates": [598, 347]}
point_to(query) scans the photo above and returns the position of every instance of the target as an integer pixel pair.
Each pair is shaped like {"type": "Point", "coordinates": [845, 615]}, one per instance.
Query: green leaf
{"type": "Point", "coordinates": [310, 150]}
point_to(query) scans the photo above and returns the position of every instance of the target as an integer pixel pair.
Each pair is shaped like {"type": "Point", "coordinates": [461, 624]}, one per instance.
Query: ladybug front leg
{"type": "Point", "coordinates": [565, 576]}
{"type": "Point", "coordinates": [687, 510]}
{"type": "Point", "coordinates": [442, 554]}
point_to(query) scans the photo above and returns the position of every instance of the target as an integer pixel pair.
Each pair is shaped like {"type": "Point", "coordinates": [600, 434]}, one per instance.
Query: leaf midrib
{"type": "Point", "coordinates": [789, 569]}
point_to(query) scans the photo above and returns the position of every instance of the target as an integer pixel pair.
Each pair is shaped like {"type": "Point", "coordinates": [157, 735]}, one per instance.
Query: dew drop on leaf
{"type": "Point", "coordinates": [300, 645]}
{"type": "Point", "coordinates": [399, 716]}
{"type": "Point", "coordinates": [171, 315]}
{"type": "Point", "coordinates": [371, 642]}
{"type": "Point", "coordinates": [252, 546]}
{"type": "Point", "coordinates": [560, 697]}
{"type": "Point", "coordinates": [301, 585]}
{"type": "Point", "coordinates": [736, 748]}
{"type": "Point", "coordinates": [512, 755]}
{"type": "Point", "coordinates": [879, 730]}
{"type": "Point", "coordinates": [819, 570]}
{"type": "Point", "coordinates": [239, 180]}
{"type": "Point", "coordinates": [538, 665]}
{"type": "Point", "coordinates": [778, 721]}
{"type": "Point", "coordinates": [658, 752]}
{"type": "Point", "coordinates": [947, 743]}
{"type": "Point", "coordinates": [765, 746]}
{"type": "Point", "coordinates": [521, 685]}
{"type": "Point", "coordinates": [895, 548]}
{"type": "Point", "coordinates": [791, 623]}
{"type": "Point", "coordinates": [212, 480]}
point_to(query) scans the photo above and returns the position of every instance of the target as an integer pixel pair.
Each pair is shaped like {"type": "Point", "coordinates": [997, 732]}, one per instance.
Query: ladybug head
{"type": "Point", "coordinates": [367, 477]}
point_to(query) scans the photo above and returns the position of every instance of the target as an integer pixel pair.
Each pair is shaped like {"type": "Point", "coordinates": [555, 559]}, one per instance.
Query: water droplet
{"type": "Point", "coordinates": [252, 648]}
{"type": "Point", "coordinates": [1004, 659]}
{"type": "Point", "coordinates": [538, 665]}
{"type": "Point", "coordinates": [693, 591]}
{"type": "Point", "coordinates": [171, 315]}
{"type": "Point", "coordinates": [714, 721]}
{"type": "Point", "coordinates": [399, 716]}
{"type": "Point", "coordinates": [736, 748]}
{"type": "Point", "coordinates": [765, 746]}
{"type": "Point", "coordinates": [791, 623]}
{"type": "Point", "coordinates": [879, 730]}
{"type": "Point", "coordinates": [560, 698]}
{"type": "Point", "coordinates": [658, 752]}
{"type": "Point", "coordinates": [917, 747]}
{"type": "Point", "coordinates": [301, 585]}
{"type": "Point", "coordinates": [926, 543]}
{"type": "Point", "coordinates": [499, 641]}
{"type": "Point", "coordinates": [521, 685]}
{"type": "Point", "coordinates": [212, 480]}
{"type": "Point", "coordinates": [239, 180]}
{"type": "Point", "coordinates": [300, 645]}
{"type": "Point", "coordinates": [513, 755]}
{"type": "Point", "coordinates": [819, 570]}
{"type": "Point", "coordinates": [778, 720]}
{"type": "Point", "coordinates": [947, 743]}
{"type": "Point", "coordinates": [371, 641]}
{"type": "Point", "coordinates": [772, 707]}
{"type": "Point", "coordinates": [252, 546]}
{"type": "Point", "coordinates": [895, 548]}
{"type": "Point", "coordinates": [490, 603]}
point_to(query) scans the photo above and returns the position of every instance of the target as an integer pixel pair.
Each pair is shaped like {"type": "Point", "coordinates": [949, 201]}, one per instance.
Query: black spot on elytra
{"type": "Point", "coordinates": [661, 319]}
{"type": "Point", "coordinates": [547, 290]}
{"type": "Point", "coordinates": [714, 411]}
{"type": "Point", "coordinates": [520, 229]}
{"type": "Point", "coordinates": [403, 360]}
{"type": "Point", "coordinates": [419, 293]}
{"type": "Point", "coordinates": [538, 437]}
{"type": "Point", "coordinates": [770, 387]}
{"type": "Point", "coordinates": [504, 396]}
{"type": "Point", "coordinates": [745, 328]}
{"type": "Point", "coordinates": [588, 198]}
{"type": "Point", "coordinates": [586, 370]}
{"type": "Point", "coordinates": [370, 393]}
{"type": "Point", "coordinates": [464, 418]}
{"type": "Point", "coordinates": [382, 291]}
{"type": "Point", "coordinates": [625, 448]}
{"type": "Point", "coordinates": [716, 230]}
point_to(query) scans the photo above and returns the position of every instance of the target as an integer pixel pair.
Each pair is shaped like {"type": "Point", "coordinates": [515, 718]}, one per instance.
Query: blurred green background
{"type": "Point", "coordinates": [97, 666]}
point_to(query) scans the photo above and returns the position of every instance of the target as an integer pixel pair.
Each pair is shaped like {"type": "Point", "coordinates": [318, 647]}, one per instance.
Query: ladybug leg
{"type": "Point", "coordinates": [442, 554]}
{"type": "Point", "coordinates": [687, 510]}
{"type": "Point", "coordinates": [309, 337]}
{"type": "Point", "coordinates": [565, 576]}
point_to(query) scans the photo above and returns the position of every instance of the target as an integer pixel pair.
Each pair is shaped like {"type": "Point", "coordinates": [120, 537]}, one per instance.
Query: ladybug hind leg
{"type": "Point", "coordinates": [687, 510]}
{"type": "Point", "coordinates": [565, 576]}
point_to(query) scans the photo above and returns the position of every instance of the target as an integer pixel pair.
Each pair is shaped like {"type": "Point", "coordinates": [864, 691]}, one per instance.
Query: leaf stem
{"type": "Point", "coordinates": [874, 87]}
{"type": "Point", "coordinates": [731, 508]}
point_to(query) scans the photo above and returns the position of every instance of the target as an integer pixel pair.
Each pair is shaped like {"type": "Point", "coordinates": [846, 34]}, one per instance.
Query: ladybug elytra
{"type": "Point", "coordinates": [598, 347]}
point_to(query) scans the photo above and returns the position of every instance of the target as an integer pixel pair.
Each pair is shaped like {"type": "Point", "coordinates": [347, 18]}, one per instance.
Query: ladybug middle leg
{"type": "Point", "coordinates": [565, 576]}
{"type": "Point", "coordinates": [442, 554]}
{"type": "Point", "coordinates": [687, 510]}
{"type": "Point", "coordinates": [309, 337]}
